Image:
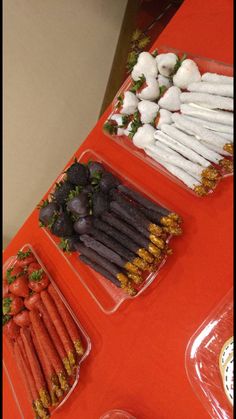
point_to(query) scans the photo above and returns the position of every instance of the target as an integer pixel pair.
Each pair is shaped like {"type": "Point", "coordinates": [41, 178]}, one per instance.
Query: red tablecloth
{"type": "Point", "coordinates": [137, 358]}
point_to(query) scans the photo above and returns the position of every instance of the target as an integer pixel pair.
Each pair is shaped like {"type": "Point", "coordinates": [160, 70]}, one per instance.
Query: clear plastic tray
{"type": "Point", "coordinates": [117, 414]}
{"type": "Point", "coordinates": [205, 65]}
{"type": "Point", "coordinates": [106, 294]}
{"type": "Point", "coordinates": [202, 359]}
{"type": "Point", "coordinates": [9, 364]}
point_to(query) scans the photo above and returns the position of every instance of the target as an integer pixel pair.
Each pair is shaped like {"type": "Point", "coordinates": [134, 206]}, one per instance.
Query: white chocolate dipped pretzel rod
{"type": "Point", "coordinates": [213, 126]}
{"type": "Point", "coordinates": [202, 132]}
{"type": "Point", "coordinates": [187, 179]}
{"type": "Point", "coordinates": [182, 149]}
{"type": "Point", "coordinates": [215, 148]}
{"type": "Point", "coordinates": [217, 78]}
{"type": "Point", "coordinates": [207, 100]}
{"type": "Point", "coordinates": [210, 115]}
{"type": "Point", "coordinates": [205, 175]}
{"type": "Point", "coordinates": [191, 142]}
{"type": "Point", "coordinates": [167, 155]}
{"type": "Point", "coordinates": [213, 88]}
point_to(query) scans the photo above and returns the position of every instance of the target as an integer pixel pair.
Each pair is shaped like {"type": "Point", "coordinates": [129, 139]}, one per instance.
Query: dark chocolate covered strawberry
{"type": "Point", "coordinates": [78, 174]}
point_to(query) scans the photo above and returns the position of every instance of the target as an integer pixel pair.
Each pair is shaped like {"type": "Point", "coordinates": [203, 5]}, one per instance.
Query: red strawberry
{"type": "Point", "coordinates": [22, 319]}
{"type": "Point", "coordinates": [13, 273]}
{"type": "Point", "coordinates": [31, 301]}
{"type": "Point", "coordinates": [24, 258]}
{"type": "Point", "coordinates": [12, 305]}
{"type": "Point", "coordinates": [38, 280]}
{"type": "Point", "coordinates": [35, 266]}
{"type": "Point", "coordinates": [20, 287]}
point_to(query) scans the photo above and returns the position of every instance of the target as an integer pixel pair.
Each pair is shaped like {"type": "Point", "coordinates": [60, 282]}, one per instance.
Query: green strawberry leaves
{"type": "Point", "coordinates": [6, 306]}
{"type": "Point", "coordinates": [36, 276]}
{"type": "Point", "coordinates": [5, 319]}
{"type": "Point", "coordinates": [11, 278]}
{"type": "Point", "coordinates": [110, 127]}
{"type": "Point", "coordinates": [23, 255]}
{"type": "Point", "coordinates": [138, 84]}
{"type": "Point", "coordinates": [179, 62]}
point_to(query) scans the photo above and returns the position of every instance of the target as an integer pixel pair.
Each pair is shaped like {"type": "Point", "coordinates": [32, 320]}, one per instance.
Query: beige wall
{"type": "Point", "coordinates": [57, 59]}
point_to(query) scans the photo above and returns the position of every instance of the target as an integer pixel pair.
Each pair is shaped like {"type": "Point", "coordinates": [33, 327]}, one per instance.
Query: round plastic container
{"type": "Point", "coordinates": [204, 359]}
{"type": "Point", "coordinates": [117, 414]}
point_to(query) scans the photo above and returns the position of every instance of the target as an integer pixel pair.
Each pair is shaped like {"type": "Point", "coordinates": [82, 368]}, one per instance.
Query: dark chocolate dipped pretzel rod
{"type": "Point", "coordinates": [113, 220]}
{"type": "Point", "coordinates": [98, 268]}
{"type": "Point", "coordinates": [108, 253]}
{"type": "Point", "coordinates": [133, 212]}
{"type": "Point", "coordinates": [115, 271]}
{"type": "Point", "coordinates": [147, 203]}
{"type": "Point", "coordinates": [123, 240]}
{"type": "Point", "coordinates": [136, 222]}
{"type": "Point", "coordinates": [170, 226]}
{"type": "Point", "coordinates": [119, 248]}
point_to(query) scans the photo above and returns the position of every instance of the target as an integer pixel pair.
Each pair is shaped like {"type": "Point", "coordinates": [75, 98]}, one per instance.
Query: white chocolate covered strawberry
{"type": "Point", "coordinates": [149, 89]}
{"type": "Point", "coordinates": [144, 136]}
{"type": "Point", "coordinates": [116, 124]}
{"type": "Point", "coordinates": [187, 73]}
{"type": "Point", "coordinates": [164, 81]}
{"type": "Point", "coordinates": [171, 99]}
{"type": "Point", "coordinates": [146, 66]}
{"type": "Point", "coordinates": [148, 111]}
{"type": "Point", "coordinates": [163, 117]}
{"type": "Point", "coordinates": [128, 103]}
{"type": "Point", "coordinates": [166, 63]}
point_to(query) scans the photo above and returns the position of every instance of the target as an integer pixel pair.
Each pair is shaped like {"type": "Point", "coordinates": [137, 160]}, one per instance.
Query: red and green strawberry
{"type": "Point", "coordinates": [24, 258]}
{"type": "Point", "coordinates": [18, 282]}
{"type": "Point", "coordinates": [38, 280]}
{"type": "Point", "coordinates": [12, 305]}
{"type": "Point", "coordinates": [35, 266]}
{"type": "Point", "coordinates": [21, 287]}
